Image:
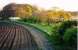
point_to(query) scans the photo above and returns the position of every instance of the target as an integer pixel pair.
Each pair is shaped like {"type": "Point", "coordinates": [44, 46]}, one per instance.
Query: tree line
{"type": "Point", "coordinates": [30, 12]}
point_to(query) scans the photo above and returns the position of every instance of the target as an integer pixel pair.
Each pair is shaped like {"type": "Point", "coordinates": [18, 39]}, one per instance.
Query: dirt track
{"type": "Point", "coordinates": [15, 37]}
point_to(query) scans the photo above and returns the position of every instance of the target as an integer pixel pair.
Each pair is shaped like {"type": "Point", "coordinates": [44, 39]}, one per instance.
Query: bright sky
{"type": "Point", "coordinates": [68, 5]}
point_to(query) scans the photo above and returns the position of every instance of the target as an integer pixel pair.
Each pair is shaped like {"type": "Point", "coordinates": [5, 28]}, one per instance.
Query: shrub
{"type": "Point", "coordinates": [65, 35]}
{"type": "Point", "coordinates": [70, 37]}
{"type": "Point", "coordinates": [55, 35]}
{"type": "Point", "coordinates": [65, 25]}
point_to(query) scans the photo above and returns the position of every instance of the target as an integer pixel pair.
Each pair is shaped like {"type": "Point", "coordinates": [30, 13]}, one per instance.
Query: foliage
{"type": "Point", "coordinates": [8, 11]}
{"type": "Point", "coordinates": [65, 25]}
{"type": "Point", "coordinates": [16, 10]}
{"type": "Point", "coordinates": [70, 37]}
{"type": "Point", "coordinates": [27, 11]}
{"type": "Point", "coordinates": [55, 35]}
{"type": "Point", "coordinates": [65, 35]}
{"type": "Point", "coordinates": [23, 11]}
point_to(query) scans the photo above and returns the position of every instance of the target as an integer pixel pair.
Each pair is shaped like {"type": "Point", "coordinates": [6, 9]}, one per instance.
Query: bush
{"type": "Point", "coordinates": [65, 25]}
{"type": "Point", "coordinates": [70, 37]}
{"type": "Point", "coordinates": [55, 35]}
{"type": "Point", "coordinates": [65, 36]}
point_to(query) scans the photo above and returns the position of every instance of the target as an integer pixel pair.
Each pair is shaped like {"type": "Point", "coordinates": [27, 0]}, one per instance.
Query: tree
{"type": "Point", "coordinates": [23, 10]}
{"type": "Point", "coordinates": [16, 10]}
{"type": "Point", "coordinates": [8, 11]}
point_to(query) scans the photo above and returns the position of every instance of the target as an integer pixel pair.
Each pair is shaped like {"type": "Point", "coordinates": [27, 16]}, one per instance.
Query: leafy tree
{"type": "Point", "coordinates": [70, 38]}
{"type": "Point", "coordinates": [23, 10]}
{"type": "Point", "coordinates": [65, 35]}
{"type": "Point", "coordinates": [8, 11]}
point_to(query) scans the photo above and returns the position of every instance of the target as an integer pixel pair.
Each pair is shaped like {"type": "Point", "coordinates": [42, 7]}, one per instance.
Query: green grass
{"type": "Point", "coordinates": [44, 27]}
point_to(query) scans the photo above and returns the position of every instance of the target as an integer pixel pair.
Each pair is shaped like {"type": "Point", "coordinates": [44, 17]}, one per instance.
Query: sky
{"type": "Point", "coordinates": [68, 5]}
